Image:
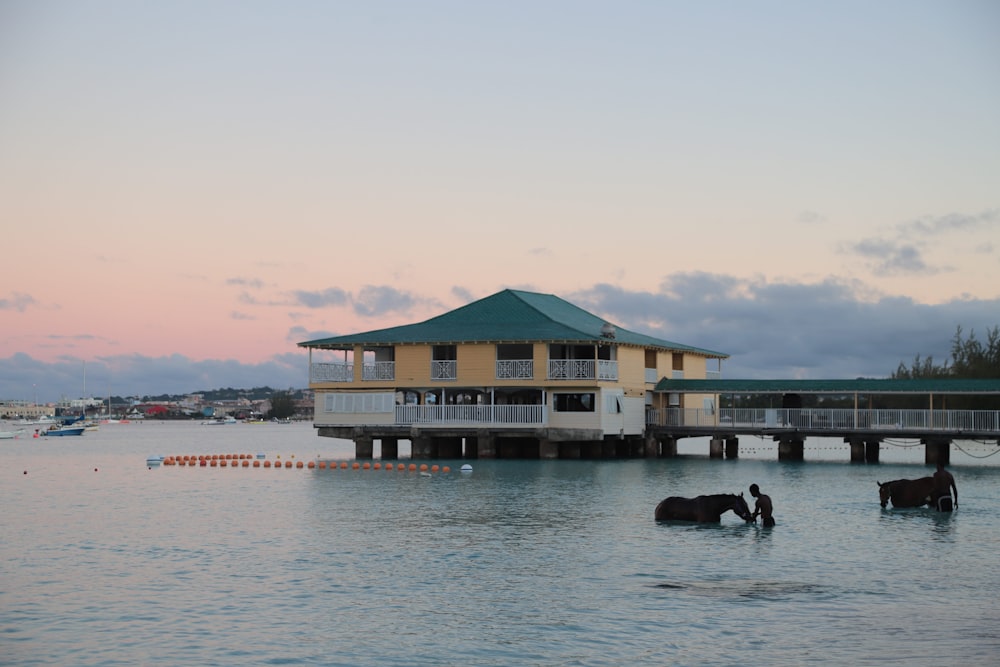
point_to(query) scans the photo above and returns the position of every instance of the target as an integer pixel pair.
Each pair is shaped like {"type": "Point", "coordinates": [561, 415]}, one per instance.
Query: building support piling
{"type": "Point", "coordinates": [732, 448]}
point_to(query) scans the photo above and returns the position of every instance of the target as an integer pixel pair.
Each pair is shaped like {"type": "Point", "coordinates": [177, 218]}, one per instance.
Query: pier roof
{"type": "Point", "coordinates": [509, 316]}
{"type": "Point", "coordinates": [831, 387]}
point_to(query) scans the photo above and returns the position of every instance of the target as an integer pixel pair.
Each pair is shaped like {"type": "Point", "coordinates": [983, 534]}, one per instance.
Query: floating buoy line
{"type": "Point", "coordinates": [261, 461]}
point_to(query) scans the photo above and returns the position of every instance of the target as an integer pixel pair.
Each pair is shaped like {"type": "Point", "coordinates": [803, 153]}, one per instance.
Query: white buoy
{"type": "Point", "coordinates": [466, 468]}
{"type": "Point", "coordinates": [154, 460]}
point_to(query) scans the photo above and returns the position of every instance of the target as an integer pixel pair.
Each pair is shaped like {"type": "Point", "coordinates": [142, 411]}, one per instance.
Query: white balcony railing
{"type": "Point", "coordinates": [582, 369]}
{"type": "Point", "coordinates": [457, 415]}
{"type": "Point", "coordinates": [444, 370]}
{"type": "Point", "coordinates": [836, 419]}
{"type": "Point", "coordinates": [344, 372]}
{"type": "Point", "coordinates": [515, 369]}
{"type": "Point", "coordinates": [379, 370]}
{"type": "Point", "coordinates": [331, 372]}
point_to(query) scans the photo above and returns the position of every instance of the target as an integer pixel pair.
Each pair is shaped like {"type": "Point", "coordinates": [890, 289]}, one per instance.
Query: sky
{"type": "Point", "coordinates": [190, 189]}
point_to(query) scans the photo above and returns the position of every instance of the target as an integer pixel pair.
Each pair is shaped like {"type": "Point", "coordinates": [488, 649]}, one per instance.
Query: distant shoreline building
{"type": "Point", "coordinates": [514, 375]}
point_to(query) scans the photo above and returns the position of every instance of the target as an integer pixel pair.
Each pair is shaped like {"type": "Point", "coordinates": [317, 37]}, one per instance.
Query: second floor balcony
{"type": "Point", "coordinates": [447, 370]}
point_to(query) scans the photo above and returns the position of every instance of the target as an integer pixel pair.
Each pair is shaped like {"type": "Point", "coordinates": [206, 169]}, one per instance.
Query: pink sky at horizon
{"type": "Point", "coordinates": [172, 176]}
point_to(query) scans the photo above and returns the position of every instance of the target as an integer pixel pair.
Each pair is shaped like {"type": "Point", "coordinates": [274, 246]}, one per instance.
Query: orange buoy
{"type": "Point", "coordinates": [322, 465]}
{"type": "Point", "coordinates": [256, 464]}
{"type": "Point", "coordinates": [377, 466]}
{"type": "Point", "coordinates": [355, 465]}
{"type": "Point", "coordinates": [367, 465]}
{"type": "Point", "coordinates": [343, 465]}
{"type": "Point", "coordinates": [288, 464]}
{"type": "Point", "coordinates": [299, 464]}
{"type": "Point", "coordinates": [446, 469]}
{"type": "Point", "coordinates": [434, 468]}
{"type": "Point", "coordinates": [267, 464]}
{"type": "Point", "coordinates": [423, 467]}
{"type": "Point", "coordinates": [388, 466]}
{"type": "Point", "coordinates": [413, 466]}
{"type": "Point", "coordinates": [246, 464]}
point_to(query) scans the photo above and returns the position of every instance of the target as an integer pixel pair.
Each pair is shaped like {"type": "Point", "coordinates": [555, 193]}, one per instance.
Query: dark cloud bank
{"type": "Point", "coordinates": [830, 329]}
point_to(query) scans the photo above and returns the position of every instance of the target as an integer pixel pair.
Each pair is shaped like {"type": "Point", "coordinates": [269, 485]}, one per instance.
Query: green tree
{"type": "Point", "coordinates": [282, 405]}
{"type": "Point", "coordinates": [970, 359]}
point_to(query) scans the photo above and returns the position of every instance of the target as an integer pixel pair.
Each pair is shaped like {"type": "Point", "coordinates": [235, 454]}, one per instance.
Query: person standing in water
{"type": "Point", "coordinates": [764, 509]}
{"type": "Point", "coordinates": [945, 492]}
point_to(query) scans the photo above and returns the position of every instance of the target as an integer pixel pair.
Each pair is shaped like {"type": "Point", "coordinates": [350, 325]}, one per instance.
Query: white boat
{"type": "Point", "coordinates": [219, 421]}
{"type": "Point", "coordinates": [46, 420]}
{"type": "Point", "coordinates": [10, 435]}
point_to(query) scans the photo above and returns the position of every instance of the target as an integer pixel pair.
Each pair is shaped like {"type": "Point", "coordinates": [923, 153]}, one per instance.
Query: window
{"type": "Point", "coordinates": [359, 403]}
{"type": "Point", "coordinates": [573, 402]}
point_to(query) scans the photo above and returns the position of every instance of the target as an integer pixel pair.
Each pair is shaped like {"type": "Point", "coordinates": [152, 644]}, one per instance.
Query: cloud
{"type": "Point", "coordinates": [236, 315]}
{"type": "Point", "coordinates": [888, 258]}
{"type": "Point", "coordinates": [253, 283]}
{"type": "Point", "coordinates": [17, 301]}
{"type": "Point", "coordinates": [770, 328]}
{"type": "Point", "coordinates": [379, 300]}
{"type": "Point", "coordinates": [810, 218]}
{"type": "Point", "coordinates": [952, 222]}
{"type": "Point", "coordinates": [333, 296]}
{"type": "Point", "coordinates": [827, 329]}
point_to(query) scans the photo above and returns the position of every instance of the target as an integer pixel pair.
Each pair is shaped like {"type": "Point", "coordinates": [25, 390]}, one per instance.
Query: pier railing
{"type": "Point", "coordinates": [819, 419]}
{"type": "Point", "coordinates": [461, 415]}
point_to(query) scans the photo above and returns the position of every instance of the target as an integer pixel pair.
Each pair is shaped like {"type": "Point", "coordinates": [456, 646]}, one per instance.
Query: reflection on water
{"type": "Point", "coordinates": [519, 562]}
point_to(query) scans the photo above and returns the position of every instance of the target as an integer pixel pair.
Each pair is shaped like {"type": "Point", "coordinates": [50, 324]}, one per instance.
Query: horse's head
{"type": "Point", "coordinates": [884, 492]}
{"type": "Point", "coordinates": [741, 508]}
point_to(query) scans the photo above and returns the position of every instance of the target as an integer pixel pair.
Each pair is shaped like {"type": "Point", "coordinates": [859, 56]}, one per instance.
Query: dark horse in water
{"type": "Point", "coordinates": [908, 492]}
{"type": "Point", "coordinates": [705, 509]}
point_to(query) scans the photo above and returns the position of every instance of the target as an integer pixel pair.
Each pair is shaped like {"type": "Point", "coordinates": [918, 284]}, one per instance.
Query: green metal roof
{"type": "Point", "coordinates": [510, 316]}
{"type": "Point", "coordinates": [858, 386]}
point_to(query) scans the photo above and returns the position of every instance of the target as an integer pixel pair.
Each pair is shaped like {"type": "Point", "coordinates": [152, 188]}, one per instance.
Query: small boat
{"type": "Point", "coordinates": [72, 429]}
{"type": "Point", "coordinates": [10, 435]}
{"type": "Point", "coordinates": [218, 421]}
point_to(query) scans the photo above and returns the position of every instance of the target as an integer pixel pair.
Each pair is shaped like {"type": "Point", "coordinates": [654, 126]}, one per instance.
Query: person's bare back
{"type": "Point", "coordinates": [764, 509]}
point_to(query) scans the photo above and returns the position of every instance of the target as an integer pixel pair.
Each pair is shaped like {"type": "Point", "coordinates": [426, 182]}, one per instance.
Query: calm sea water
{"type": "Point", "coordinates": [106, 562]}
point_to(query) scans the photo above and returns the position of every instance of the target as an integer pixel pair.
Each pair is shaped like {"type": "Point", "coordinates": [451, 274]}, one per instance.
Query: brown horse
{"type": "Point", "coordinates": [907, 492]}
{"type": "Point", "coordinates": [705, 509]}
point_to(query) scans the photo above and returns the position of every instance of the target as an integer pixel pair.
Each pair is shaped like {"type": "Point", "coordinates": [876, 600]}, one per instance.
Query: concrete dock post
{"type": "Point", "coordinates": [715, 448]}
{"type": "Point", "coordinates": [422, 447]}
{"type": "Point", "coordinates": [792, 449]}
{"type": "Point", "coordinates": [732, 448]}
{"type": "Point", "coordinates": [486, 445]}
{"type": "Point", "coordinates": [364, 446]}
{"type": "Point", "coordinates": [651, 446]}
{"type": "Point", "coordinates": [668, 448]}
{"type": "Point", "coordinates": [871, 451]}
{"type": "Point", "coordinates": [857, 450]}
{"type": "Point", "coordinates": [548, 449]}
{"type": "Point", "coordinates": [390, 449]}
{"type": "Point", "coordinates": [937, 451]}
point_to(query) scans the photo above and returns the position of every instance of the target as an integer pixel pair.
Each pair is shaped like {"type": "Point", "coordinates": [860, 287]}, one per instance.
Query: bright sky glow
{"type": "Point", "coordinates": [189, 189]}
